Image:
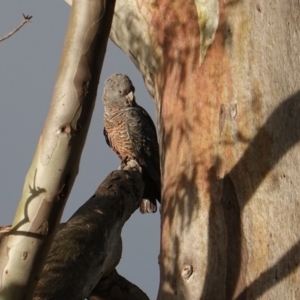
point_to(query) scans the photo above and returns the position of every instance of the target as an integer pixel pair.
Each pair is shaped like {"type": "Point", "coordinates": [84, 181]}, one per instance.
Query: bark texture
{"type": "Point", "coordinates": [55, 164]}
{"type": "Point", "coordinates": [226, 81]}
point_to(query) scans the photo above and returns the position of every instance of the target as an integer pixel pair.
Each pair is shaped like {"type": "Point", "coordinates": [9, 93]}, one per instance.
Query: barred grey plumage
{"type": "Point", "coordinates": [131, 133]}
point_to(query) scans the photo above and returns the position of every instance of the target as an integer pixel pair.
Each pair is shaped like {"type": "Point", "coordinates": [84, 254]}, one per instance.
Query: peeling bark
{"type": "Point", "coordinates": [55, 164]}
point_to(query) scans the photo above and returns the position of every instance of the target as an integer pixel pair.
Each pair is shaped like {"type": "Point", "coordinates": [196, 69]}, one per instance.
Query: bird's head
{"type": "Point", "coordinates": [118, 92]}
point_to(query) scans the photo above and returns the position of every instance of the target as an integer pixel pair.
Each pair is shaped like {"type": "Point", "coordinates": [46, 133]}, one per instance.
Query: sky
{"type": "Point", "coordinates": [28, 67]}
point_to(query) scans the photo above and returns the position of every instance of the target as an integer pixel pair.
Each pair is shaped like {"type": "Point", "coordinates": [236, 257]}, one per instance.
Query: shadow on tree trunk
{"type": "Point", "coordinates": [272, 142]}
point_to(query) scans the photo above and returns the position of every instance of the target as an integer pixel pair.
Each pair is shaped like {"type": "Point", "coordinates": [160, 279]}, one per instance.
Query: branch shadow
{"type": "Point", "coordinates": [267, 279]}
{"type": "Point", "coordinates": [35, 191]}
{"type": "Point", "coordinates": [281, 137]}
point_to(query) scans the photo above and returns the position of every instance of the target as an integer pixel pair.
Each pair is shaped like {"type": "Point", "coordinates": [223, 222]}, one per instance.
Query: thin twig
{"type": "Point", "coordinates": [27, 19]}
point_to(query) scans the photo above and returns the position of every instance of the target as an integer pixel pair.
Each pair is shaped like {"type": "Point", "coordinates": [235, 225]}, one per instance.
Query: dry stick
{"type": "Point", "coordinates": [27, 19]}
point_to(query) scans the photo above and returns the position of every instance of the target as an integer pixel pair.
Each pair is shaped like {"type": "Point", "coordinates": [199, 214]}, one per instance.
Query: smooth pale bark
{"type": "Point", "coordinates": [226, 81]}
{"type": "Point", "coordinates": [55, 164]}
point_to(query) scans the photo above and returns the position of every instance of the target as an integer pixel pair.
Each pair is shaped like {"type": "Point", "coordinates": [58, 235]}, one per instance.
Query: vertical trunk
{"type": "Point", "coordinates": [225, 76]}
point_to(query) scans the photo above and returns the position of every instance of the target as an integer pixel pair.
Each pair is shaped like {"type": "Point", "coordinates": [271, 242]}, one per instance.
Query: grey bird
{"type": "Point", "coordinates": [131, 133]}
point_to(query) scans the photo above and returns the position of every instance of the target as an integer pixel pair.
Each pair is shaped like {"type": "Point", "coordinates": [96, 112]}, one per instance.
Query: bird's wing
{"type": "Point", "coordinates": [142, 133]}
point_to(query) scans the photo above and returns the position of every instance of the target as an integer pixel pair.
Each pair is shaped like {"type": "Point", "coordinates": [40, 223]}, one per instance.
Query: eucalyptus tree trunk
{"type": "Point", "coordinates": [56, 161]}
{"type": "Point", "coordinates": [225, 76]}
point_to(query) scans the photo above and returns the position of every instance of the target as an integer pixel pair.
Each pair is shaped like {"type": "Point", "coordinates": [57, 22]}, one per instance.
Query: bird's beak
{"type": "Point", "coordinates": [130, 96]}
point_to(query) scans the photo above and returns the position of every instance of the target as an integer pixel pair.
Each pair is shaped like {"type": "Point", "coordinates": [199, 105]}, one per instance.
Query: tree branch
{"type": "Point", "coordinates": [88, 247]}
{"type": "Point", "coordinates": [26, 19]}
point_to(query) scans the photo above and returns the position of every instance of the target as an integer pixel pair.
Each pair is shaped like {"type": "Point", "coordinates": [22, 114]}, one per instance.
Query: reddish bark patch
{"type": "Point", "coordinates": [191, 98]}
{"type": "Point", "coordinates": [192, 95]}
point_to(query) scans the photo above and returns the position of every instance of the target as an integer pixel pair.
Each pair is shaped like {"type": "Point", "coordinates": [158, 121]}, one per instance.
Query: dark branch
{"type": "Point", "coordinates": [27, 19]}
{"type": "Point", "coordinates": [88, 247]}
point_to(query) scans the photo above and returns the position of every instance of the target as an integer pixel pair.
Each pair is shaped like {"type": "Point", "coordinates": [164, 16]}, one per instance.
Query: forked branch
{"type": "Point", "coordinates": [26, 19]}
